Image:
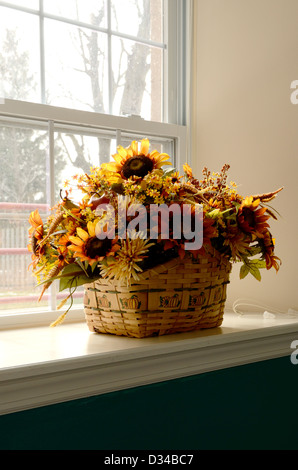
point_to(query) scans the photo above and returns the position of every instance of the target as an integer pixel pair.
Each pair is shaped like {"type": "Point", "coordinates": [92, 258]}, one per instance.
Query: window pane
{"type": "Point", "coordinates": [80, 71]}
{"type": "Point", "coordinates": [140, 18]}
{"type": "Point", "coordinates": [137, 77]}
{"type": "Point", "coordinates": [23, 160]}
{"type": "Point", "coordinates": [76, 67]}
{"type": "Point", "coordinates": [19, 55]}
{"type": "Point", "coordinates": [23, 155]}
{"type": "Point", "coordinates": [86, 11]}
{"type": "Point", "coordinates": [81, 152]}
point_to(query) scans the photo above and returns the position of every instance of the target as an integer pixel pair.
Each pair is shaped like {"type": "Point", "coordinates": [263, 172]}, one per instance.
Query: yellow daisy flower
{"type": "Point", "coordinates": [125, 265]}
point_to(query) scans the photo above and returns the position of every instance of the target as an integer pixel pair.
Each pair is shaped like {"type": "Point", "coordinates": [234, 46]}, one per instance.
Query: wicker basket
{"type": "Point", "coordinates": [175, 297]}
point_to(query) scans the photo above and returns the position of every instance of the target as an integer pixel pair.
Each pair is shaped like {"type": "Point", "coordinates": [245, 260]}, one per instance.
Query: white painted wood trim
{"type": "Point", "coordinates": [86, 119]}
{"type": "Point", "coordinates": [45, 383]}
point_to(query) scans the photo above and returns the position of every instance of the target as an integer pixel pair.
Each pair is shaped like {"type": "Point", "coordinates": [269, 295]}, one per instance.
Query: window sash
{"type": "Point", "coordinates": [54, 119]}
{"type": "Point", "coordinates": [173, 24]}
{"type": "Point", "coordinates": [40, 115]}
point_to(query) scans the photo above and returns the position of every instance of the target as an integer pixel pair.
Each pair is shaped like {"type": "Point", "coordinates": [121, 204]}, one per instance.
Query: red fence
{"type": "Point", "coordinates": [17, 284]}
{"type": "Point", "coordinates": [20, 206]}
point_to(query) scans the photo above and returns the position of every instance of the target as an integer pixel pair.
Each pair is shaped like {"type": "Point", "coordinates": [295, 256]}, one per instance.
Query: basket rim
{"type": "Point", "coordinates": [152, 273]}
{"type": "Point", "coordinates": [173, 263]}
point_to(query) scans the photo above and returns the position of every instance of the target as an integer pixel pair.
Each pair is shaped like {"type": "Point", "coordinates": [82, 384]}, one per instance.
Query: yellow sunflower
{"type": "Point", "coordinates": [132, 161]}
{"type": "Point", "coordinates": [88, 247]}
{"type": "Point", "coordinates": [252, 219]}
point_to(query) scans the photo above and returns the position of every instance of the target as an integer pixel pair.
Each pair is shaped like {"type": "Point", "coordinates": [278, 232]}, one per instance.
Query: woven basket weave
{"type": "Point", "coordinates": [175, 297]}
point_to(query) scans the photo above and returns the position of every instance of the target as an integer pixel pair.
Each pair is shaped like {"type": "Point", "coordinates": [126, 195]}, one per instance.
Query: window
{"type": "Point", "coordinates": [77, 78]}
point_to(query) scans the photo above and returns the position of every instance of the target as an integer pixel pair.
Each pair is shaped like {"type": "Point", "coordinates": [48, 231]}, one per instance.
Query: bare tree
{"type": "Point", "coordinates": [133, 79]}
{"type": "Point", "coordinates": [23, 150]}
{"type": "Point", "coordinates": [137, 68]}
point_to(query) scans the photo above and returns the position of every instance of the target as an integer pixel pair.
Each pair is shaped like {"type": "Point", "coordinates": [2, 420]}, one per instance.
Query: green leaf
{"type": "Point", "coordinates": [75, 281]}
{"type": "Point", "coordinates": [68, 204]}
{"type": "Point", "coordinates": [93, 266]}
{"type": "Point", "coordinates": [258, 263]}
{"type": "Point", "coordinates": [254, 271]}
{"type": "Point", "coordinates": [244, 270]}
{"type": "Point", "coordinates": [71, 268]}
{"type": "Point", "coordinates": [67, 211]}
{"type": "Point", "coordinates": [84, 266]}
{"type": "Point", "coordinates": [252, 266]}
{"type": "Point", "coordinates": [214, 213]}
{"type": "Point", "coordinates": [72, 275]}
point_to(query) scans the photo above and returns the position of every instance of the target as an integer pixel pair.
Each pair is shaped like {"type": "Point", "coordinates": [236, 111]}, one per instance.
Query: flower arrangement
{"type": "Point", "coordinates": [88, 240]}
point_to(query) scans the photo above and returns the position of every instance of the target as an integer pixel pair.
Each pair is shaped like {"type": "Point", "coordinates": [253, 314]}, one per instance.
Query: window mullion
{"type": "Point", "coordinates": [174, 79]}
{"type": "Point", "coordinates": [51, 195]}
{"type": "Point", "coordinates": [42, 52]}
{"type": "Point", "coordinates": [166, 90]}
{"type": "Point", "coordinates": [118, 137]}
{"type": "Point", "coordinates": [110, 69]}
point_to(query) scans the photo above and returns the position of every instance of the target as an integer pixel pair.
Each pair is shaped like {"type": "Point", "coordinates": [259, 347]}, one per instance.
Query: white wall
{"type": "Point", "coordinates": [247, 57]}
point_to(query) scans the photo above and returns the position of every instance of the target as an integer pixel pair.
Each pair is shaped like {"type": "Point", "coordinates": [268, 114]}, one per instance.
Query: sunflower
{"type": "Point", "coordinates": [131, 161]}
{"type": "Point", "coordinates": [35, 231]}
{"type": "Point", "coordinates": [251, 219]}
{"type": "Point", "coordinates": [35, 236]}
{"type": "Point", "coordinates": [88, 247]}
{"type": "Point", "coordinates": [64, 241]}
{"type": "Point", "coordinates": [267, 243]}
{"type": "Point", "coordinates": [125, 264]}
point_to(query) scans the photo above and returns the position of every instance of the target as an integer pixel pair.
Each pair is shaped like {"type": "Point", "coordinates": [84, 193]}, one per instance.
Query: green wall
{"type": "Point", "coordinates": [246, 407]}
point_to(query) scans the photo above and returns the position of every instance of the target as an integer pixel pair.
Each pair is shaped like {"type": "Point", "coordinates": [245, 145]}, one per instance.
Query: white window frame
{"type": "Point", "coordinates": [54, 118]}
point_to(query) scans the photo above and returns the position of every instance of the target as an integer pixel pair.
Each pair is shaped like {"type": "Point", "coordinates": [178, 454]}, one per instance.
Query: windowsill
{"type": "Point", "coordinates": [41, 366]}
